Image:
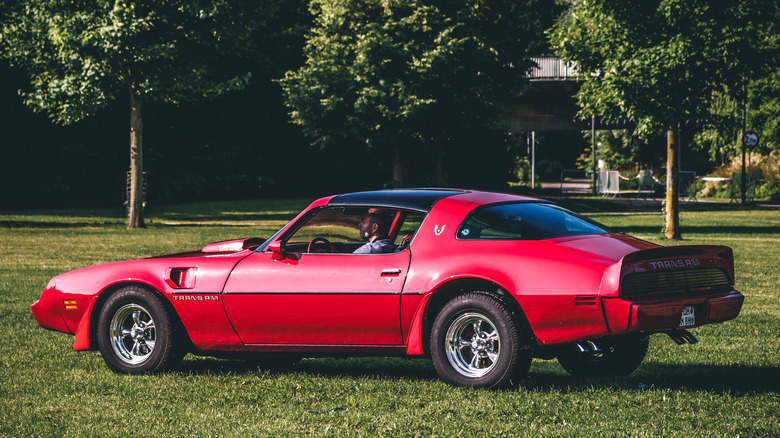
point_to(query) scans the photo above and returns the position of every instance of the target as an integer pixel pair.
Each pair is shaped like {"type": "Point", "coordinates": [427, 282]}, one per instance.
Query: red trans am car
{"type": "Point", "coordinates": [480, 282]}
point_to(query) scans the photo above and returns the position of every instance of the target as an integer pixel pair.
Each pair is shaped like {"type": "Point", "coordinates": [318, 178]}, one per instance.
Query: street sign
{"type": "Point", "coordinates": [750, 139]}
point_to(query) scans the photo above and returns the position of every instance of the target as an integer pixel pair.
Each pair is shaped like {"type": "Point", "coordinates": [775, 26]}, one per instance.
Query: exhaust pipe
{"type": "Point", "coordinates": [681, 337]}
{"type": "Point", "coordinates": [593, 347]}
{"type": "Point", "coordinates": [587, 347]}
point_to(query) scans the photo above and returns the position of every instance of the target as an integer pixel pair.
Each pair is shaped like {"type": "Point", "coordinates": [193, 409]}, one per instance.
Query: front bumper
{"type": "Point", "coordinates": [624, 316]}
{"type": "Point", "coordinates": [47, 313]}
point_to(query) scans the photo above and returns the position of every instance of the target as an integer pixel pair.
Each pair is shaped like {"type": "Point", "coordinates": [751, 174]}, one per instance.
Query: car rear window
{"type": "Point", "coordinates": [525, 221]}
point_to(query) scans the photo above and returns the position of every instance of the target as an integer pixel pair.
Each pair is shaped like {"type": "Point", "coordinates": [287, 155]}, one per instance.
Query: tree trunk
{"type": "Point", "coordinates": [397, 169]}
{"type": "Point", "coordinates": [438, 175]}
{"type": "Point", "coordinates": [136, 207]}
{"type": "Point", "coordinates": [672, 225]}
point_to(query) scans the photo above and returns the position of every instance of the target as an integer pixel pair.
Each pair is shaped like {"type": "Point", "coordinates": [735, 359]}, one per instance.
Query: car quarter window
{"type": "Point", "coordinates": [411, 223]}
{"type": "Point", "coordinates": [525, 221]}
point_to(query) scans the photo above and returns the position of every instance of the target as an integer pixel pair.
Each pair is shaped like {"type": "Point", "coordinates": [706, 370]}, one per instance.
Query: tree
{"type": "Point", "coordinates": [82, 55]}
{"type": "Point", "coordinates": [660, 62]}
{"type": "Point", "coordinates": [764, 115]}
{"type": "Point", "coordinates": [764, 93]}
{"type": "Point", "coordinates": [407, 76]}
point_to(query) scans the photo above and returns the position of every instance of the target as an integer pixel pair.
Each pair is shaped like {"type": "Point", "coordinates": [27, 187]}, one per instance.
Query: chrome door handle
{"type": "Point", "coordinates": [386, 272]}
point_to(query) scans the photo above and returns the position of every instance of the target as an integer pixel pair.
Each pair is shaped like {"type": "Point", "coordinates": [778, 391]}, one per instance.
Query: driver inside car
{"type": "Point", "coordinates": [374, 228]}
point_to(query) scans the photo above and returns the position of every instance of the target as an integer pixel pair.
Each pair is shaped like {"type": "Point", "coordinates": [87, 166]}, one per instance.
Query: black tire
{"type": "Point", "coordinates": [137, 335]}
{"type": "Point", "coordinates": [618, 357]}
{"type": "Point", "coordinates": [478, 341]}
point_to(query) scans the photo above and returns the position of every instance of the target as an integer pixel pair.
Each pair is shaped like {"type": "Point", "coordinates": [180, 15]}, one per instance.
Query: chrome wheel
{"type": "Point", "coordinates": [473, 345]}
{"type": "Point", "coordinates": [132, 334]}
{"type": "Point", "coordinates": [478, 340]}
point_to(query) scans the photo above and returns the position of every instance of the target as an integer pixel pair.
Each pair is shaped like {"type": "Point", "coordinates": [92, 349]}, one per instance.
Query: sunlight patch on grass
{"type": "Point", "coordinates": [724, 386]}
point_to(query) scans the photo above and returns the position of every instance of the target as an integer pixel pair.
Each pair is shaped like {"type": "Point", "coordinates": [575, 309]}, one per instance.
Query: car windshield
{"type": "Point", "coordinates": [525, 221]}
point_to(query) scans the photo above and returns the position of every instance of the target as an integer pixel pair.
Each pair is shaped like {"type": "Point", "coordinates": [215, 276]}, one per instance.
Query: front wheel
{"type": "Point", "coordinates": [478, 341]}
{"type": "Point", "coordinates": [136, 334]}
{"type": "Point", "coordinates": [617, 357]}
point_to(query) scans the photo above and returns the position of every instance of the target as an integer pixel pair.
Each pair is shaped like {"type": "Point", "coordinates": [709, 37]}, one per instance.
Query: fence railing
{"type": "Point", "coordinates": [736, 187]}
{"type": "Point", "coordinates": [575, 181]}
{"type": "Point", "coordinates": [608, 184]}
{"type": "Point", "coordinates": [551, 68]}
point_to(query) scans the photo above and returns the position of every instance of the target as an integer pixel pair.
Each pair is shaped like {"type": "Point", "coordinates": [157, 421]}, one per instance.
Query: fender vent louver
{"type": "Point", "coordinates": [585, 300]}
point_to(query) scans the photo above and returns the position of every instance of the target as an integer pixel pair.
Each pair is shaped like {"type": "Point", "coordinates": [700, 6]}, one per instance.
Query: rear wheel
{"type": "Point", "coordinates": [136, 333]}
{"type": "Point", "coordinates": [478, 341]}
{"type": "Point", "coordinates": [618, 357]}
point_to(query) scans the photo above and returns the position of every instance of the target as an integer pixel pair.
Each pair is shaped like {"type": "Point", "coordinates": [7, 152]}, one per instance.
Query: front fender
{"type": "Point", "coordinates": [84, 329]}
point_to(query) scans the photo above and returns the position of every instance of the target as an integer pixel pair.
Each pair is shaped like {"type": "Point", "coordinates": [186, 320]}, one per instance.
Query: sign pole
{"type": "Point", "coordinates": [750, 140]}
{"type": "Point", "coordinates": [743, 183]}
{"type": "Point", "coordinates": [593, 146]}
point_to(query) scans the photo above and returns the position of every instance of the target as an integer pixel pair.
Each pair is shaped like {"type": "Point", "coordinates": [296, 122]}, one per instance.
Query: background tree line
{"type": "Point", "coordinates": [380, 93]}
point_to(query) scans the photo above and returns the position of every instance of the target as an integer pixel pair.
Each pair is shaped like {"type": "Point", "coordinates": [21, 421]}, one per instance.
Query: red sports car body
{"type": "Point", "coordinates": [482, 282]}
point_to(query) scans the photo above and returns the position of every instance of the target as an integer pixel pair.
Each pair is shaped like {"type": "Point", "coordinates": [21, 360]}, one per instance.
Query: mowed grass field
{"type": "Point", "coordinates": [726, 385]}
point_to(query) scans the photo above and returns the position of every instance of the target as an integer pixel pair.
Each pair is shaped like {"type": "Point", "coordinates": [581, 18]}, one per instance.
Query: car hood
{"type": "Point", "coordinates": [218, 248]}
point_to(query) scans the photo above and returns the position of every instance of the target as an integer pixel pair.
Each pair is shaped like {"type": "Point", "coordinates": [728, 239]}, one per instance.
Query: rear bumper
{"type": "Point", "coordinates": [625, 316]}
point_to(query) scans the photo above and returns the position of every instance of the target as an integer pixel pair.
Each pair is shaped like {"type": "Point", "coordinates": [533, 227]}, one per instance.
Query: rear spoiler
{"type": "Point", "coordinates": [679, 257]}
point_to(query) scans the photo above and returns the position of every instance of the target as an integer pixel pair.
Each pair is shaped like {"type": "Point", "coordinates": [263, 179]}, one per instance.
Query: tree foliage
{"type": "Point", "coordinates": [82, 55]}
{"type": "Point", "coordinates": [764, 110]}
{"type": "Point", "coordinates": [760, 101]}
{"type": "Point", "coordinates": [409, 75]}
{"type": "Point", "coordinates": [660, 62]}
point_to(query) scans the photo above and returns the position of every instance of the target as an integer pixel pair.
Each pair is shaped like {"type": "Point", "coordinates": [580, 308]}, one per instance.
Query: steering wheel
{"type": "Point", "coordinates": [316, 240]}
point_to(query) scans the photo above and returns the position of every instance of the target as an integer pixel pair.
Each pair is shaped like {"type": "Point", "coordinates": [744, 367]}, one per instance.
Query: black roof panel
{"type": "Point", "coordinates": [416, 199]}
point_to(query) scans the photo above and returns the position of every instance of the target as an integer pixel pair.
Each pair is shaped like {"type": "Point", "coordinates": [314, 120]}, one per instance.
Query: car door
{"type": "Point", "coordinates": [317, 299]}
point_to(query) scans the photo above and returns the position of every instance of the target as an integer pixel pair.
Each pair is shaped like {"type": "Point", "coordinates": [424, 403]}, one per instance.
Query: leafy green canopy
{"type": "Point", "coordinates": [765, 111]}
{"type": "Point", "coordinates": [659, 62]}
{"type": "Point", "coordinates": [401, 71]}
{"type": "Point", "coordinates": [83, 54]}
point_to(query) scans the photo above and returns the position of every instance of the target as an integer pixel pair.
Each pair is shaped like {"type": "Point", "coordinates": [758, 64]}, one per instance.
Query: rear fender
{"type": "Point", "coordinates": [416, 342]}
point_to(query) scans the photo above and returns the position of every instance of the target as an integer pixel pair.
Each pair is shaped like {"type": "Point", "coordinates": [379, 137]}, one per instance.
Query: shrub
{"type": "Point", "coordinates": [766, 170]}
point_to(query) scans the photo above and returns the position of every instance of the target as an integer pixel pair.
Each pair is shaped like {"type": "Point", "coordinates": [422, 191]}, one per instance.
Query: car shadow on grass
{"type": "Point", "coordinates": [720, 379]}
{"type": "Point", "coordinates": [354, 367]}
{"type": "Point", "coordinates": [736, 380]}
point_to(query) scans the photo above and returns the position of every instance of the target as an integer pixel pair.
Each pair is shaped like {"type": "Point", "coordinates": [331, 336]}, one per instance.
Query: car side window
{"type": "Point", "coordinates": [329, 223]}
{"type": "Point", "coordinates": [525, 221]}
{"type": "Point", "coordinates": [337, 229]}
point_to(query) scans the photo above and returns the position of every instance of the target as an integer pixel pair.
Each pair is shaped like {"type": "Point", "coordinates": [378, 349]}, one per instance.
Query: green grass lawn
{"type": "Point", "coordinates": [726, 385]}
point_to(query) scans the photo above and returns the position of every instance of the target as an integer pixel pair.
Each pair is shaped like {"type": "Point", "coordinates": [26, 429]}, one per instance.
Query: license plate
{"type": "Point", "coordinates": [688, 317]}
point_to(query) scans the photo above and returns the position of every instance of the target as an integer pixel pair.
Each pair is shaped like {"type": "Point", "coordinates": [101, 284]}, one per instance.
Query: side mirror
{"type": "Point", "coordinates": [277, 250]}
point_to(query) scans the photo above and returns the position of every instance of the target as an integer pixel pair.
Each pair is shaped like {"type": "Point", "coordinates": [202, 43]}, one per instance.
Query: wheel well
{"type": "Point", "coordinates": [446, 292]}
{"type": "Point", "coordinates": [103, 297]}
